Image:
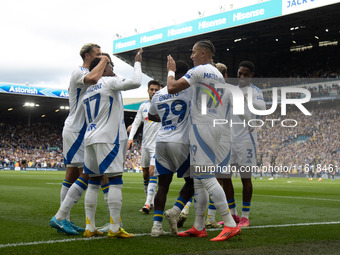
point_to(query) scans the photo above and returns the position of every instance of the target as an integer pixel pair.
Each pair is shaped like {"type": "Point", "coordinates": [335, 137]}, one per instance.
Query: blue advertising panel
{"type": "Point", "coordinates": [32, 91]}
{"type": "Point", "coordinates": [46, 92]}
{"type": "Point", "coordinates": [265, 10]}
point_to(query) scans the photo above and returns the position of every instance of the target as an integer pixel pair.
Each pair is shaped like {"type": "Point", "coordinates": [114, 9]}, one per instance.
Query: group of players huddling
{"type": "Point", "coordinates": [178, 137]}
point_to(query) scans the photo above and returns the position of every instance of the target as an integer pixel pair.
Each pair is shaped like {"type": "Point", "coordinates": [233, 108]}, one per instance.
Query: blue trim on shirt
{"type": "Point", "coordinates": [208, 151]}
{"type": "Point", "coordinates": [111, 102]}
{"type": "Point", "coordinates": [75, 146]}
{"type": "Point", "coordinates": [78, 94]}
{"type": "Point", "coordinates": [109, 159]}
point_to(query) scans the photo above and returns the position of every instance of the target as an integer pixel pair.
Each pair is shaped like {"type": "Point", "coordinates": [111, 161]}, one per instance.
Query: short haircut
{"type": "Point", "coordinates": [181, 69]}
{"type": "Point", "coordinates": [247, 64]}
{"type": "Point", "coordinates": [94, 63]}
{"type": "Point", "coordinates": [154, 82]}
{"type": "Point", "coordinates": [87, 48]}
{"type": "Point", "coordinates": [222, 68]}
{"type": "Point", "coordinates": [208, 45]}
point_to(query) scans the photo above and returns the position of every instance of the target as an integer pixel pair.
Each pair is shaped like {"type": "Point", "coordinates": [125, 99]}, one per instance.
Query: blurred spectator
{"type": "Point", "coordinates": [314, 139]}
{"type": "Point", "coordinates": [39, 145]}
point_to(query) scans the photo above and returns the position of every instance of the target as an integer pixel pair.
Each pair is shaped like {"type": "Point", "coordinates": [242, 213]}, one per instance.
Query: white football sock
{"type": "Point", "coordinates": [217, 194]}
{"type": "Point", "coordinates": [72, 197]}
{"type": "Point", "coordinates": [151, 190]}
{"type": "Point", "coordinates": [201, 203]}
{"type": "Point", "coordinates": [211, 211]}
{"type": "Point", "coordinates": [63, 191]}
{"type": "Point", "coordinates": [115, 206]}
{"type": "Point", "coordinates": [91, 198]}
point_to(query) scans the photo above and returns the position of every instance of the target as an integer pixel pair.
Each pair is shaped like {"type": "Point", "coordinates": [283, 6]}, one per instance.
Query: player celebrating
{"type": "Point", "coordinates": [150, 130]}
{"type": "Point", "coordinates": [103, 151]}
{"type": "Point", "coordinates": [204, 137]}
{"type": "Point", "coordinates": [244, 143]}
{"type": "Point", "coordinates": [73, 136]}
{"type": "Point", "coordinates": [172, 150]}
{"type": "Point", "coordinates": [211, 222]}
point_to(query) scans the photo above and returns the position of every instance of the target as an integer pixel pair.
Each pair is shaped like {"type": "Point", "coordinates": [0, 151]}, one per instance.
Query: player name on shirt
{"type": "Point", "coordinates": [167, 96]}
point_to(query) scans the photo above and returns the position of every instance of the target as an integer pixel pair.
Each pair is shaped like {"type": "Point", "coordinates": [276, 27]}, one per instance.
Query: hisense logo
{"type": "Point", "coordinates": [120, 45]}
{"type": "Point", "coordinates": [246, 15]}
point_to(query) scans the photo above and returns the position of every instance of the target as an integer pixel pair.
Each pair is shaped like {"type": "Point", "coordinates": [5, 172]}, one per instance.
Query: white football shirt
{"type": "Point", "coordinates": [104, 108]}
{"type": "Point", "coordinates": [75, 121]}
{"type": "Point", "coordinates": [122, 132]}
{"type": "Point", "coordinates": [173, 110]}
{"type": "Point", "coordinates": [150, 128]}
{"type": "Point", "coordinates": [240, 133]}
{"type": "Point", "coordinates": [206, 81]}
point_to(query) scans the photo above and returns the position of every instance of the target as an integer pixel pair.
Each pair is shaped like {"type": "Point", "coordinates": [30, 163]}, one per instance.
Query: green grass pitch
{"type": "Point", "coordinates": [287, 216]}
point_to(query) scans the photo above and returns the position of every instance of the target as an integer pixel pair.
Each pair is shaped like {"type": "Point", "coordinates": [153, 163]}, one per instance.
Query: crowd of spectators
{"type": "Point", "coordinates": [316, 65]}
{"type": "Point", "coordinates": [321, 90]}
{"type": "Point", "coordinates": [325, 90]}
{"type": "Point", "coordinates": [318, 62]}
{"type": "Point", "coordinates": [39, 145]}
{"type": "Point", "coordinates": [314, 141]}
{"type": "Point", "coordinates": [133, 156]}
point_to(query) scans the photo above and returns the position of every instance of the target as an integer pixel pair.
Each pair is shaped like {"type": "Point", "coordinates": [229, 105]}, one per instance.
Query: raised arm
{"type": "Point", "coordinates": [97, 72]}
{"type": "Point", "coordinates": [136, 80]}
{"type": "Point", "coordinates": [174, 86]}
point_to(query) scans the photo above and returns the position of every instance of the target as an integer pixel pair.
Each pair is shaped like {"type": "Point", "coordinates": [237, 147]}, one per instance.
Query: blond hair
{"type": "Point", "coordinates": [222, 68]}
{"type": "Point", "coordinates": [87, 49]}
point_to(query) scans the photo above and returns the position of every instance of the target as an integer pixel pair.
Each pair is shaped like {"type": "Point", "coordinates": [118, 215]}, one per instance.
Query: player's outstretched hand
{"type": "Point", "coordinates": [171, 65]}
{"type": "Point", "coordinates": [130, 144]}
{"type": "Point", "coordinates": [138, 57]}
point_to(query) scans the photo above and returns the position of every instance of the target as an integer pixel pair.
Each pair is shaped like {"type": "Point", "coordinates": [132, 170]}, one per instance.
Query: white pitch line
{"type": "Point", "coordinates": [295, 225]}
{"type": "Point", "coordinates": [147, 234]}
{"type": "Point", "coordinates": [47, 242]}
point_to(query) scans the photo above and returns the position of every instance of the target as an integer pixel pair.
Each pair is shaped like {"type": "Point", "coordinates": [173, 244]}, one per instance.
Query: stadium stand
{"type": "Point", "coordinates": [314, 140]}
{"type": "Point", "coordinates": [43, 149]}
{"type": "Point", "coordinates": [39, 149]}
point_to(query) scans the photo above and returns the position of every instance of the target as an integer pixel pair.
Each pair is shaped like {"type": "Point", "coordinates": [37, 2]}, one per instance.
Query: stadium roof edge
{"type": "Point", "coordinates": [256, 38]}
{"type": "Point", "coordinates": [260, 11]}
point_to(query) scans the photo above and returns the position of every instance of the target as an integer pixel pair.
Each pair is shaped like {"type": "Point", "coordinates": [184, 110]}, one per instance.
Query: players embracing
{"type": "Point", "coordinates": [204, 136]}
